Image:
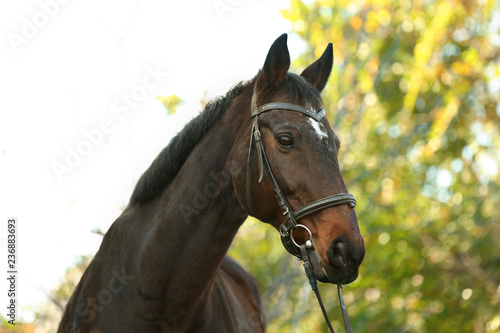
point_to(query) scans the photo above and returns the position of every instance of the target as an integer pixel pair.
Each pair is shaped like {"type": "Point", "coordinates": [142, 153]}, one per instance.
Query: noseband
{"type": "Point", "coordinates": [291, 217]}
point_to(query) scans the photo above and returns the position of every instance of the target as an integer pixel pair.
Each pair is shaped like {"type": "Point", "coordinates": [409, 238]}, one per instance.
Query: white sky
{"type": "Point", "coordinates": [69, 75]}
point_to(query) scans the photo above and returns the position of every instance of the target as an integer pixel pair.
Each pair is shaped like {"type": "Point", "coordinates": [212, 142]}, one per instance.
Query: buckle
{"type": "Point", "coordinates": [257, 135]}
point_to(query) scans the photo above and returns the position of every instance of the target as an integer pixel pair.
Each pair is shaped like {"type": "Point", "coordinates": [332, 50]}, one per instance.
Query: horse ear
{"type": "Point", "coordinates": [318, 72]}
{"type": "Point", "coordinates": [277, 62]}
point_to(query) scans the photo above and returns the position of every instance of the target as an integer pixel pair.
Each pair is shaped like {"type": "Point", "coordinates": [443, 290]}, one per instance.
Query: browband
{"type": "Point", "coordinates": [288, 106]}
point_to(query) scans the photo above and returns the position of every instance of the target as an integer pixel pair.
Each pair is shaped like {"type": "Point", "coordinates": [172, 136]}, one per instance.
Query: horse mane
{"type": "Point", "coordinates": [171, 159]}
{"type": "Point", "coordinates": [167, 164]}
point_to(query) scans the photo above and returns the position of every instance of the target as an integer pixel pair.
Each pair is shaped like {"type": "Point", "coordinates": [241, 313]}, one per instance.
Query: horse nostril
{"type": "Point", "coordinates": [337, 253]}
{"type": "Point", "coordinates": [344, 258]}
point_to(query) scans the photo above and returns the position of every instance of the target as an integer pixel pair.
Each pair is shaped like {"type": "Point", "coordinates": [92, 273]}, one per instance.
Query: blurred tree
{"type": "Point", "coordinates": [5, 327]}
{"type": "Point", "coordinates": [47, 318]}
{"type": "Point", "coordinates": [414, 96]}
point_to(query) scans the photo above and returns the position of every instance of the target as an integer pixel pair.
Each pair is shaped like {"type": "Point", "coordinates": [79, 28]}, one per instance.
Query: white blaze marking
{"type": "Point", "coordinates": [318, 128]}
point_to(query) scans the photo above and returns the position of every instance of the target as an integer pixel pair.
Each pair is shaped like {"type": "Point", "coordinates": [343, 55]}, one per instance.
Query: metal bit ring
{"type": "Point", "coordinates": [308, 243]}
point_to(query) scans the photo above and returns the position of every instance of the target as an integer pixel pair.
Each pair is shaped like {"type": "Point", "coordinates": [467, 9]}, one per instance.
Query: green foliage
{"type": "Point", "coordinates": [414, 97]}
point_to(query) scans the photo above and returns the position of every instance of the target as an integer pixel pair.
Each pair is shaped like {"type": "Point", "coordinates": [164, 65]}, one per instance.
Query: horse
{"type": "Point", "coordinates": [163, 264]}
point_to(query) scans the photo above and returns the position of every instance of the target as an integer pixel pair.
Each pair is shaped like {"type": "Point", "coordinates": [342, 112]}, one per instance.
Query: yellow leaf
{"type": "Point", "coordinates": [170, 102]}
{"type": "Point", "coordinates": [356, 22]}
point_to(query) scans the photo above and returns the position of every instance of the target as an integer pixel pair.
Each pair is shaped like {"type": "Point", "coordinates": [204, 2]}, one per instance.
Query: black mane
{"type": "Point", "coordinates": [168, 163]}
{"type": "Point", "coordinates": [170, 160]}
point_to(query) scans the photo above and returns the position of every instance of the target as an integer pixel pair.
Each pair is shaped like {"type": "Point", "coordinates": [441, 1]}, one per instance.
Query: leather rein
{"type": "Point", "coordinates": [302, 252]}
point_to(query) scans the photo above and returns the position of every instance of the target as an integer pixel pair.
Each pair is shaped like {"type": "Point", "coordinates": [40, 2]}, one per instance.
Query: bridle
{"type": "Point", "coordinates": [291, 217]}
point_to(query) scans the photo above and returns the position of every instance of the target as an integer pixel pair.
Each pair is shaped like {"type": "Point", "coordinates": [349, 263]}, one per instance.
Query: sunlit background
{"type": "Point", "coordinates": [92, 91]}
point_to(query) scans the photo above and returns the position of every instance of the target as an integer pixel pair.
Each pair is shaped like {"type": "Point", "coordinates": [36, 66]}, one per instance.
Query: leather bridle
{"type": "Point", "coordinates": [291, 217]}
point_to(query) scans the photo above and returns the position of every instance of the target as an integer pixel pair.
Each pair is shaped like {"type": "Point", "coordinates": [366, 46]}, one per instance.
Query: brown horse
{"type": "Point", "coordinates": [162, 265]}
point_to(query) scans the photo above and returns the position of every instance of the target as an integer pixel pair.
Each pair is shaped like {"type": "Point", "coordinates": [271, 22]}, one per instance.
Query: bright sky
{"type": "Point", "coordinates": [82, 77]}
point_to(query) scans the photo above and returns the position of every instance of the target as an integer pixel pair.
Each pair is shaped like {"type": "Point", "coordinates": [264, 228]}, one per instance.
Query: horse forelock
{"type": "Point", "coordinates": [301, 91]}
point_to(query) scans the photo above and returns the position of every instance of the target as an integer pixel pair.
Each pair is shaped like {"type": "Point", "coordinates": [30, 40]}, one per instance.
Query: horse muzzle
{"type": "Point", "coordinates": [342, 264]}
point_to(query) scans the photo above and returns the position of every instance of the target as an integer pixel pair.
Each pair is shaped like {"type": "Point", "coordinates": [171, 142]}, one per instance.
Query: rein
{"type": "Point", "coordinates": [302, 252]}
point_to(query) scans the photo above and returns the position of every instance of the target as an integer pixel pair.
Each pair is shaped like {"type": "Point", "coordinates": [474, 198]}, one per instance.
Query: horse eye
{"type": "Point", "coordinates": [285, 140]}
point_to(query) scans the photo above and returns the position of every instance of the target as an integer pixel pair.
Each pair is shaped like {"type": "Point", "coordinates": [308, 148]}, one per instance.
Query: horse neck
{"type": "Point", "coordinates": [197, 219]}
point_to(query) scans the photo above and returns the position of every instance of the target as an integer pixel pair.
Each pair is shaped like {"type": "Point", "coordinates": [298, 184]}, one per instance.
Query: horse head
{"type": "Point", "coordinates": [301, 151]}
